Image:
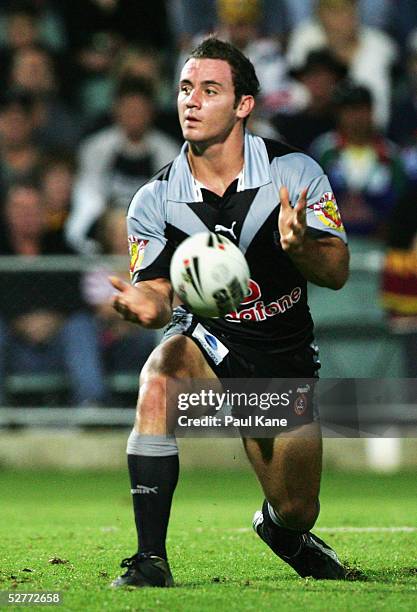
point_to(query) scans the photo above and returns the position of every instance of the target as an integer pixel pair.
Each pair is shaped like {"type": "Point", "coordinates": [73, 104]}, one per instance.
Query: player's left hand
{"type": "Point", "coordinates": [292, 222]}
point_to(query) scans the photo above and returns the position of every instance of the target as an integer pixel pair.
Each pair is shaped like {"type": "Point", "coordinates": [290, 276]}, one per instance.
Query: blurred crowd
{"type": "Point", "coordinates": [87, 115]}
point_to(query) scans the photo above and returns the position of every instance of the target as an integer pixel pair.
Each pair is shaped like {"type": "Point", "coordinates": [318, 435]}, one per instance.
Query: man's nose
{"type": "Point", "coordinates": [194, 98]}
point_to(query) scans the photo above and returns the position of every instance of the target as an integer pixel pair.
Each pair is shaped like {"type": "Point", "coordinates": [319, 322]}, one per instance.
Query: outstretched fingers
{"type": "Point", "coordinates": [299, 219]}
{"type": "Point", "coordinates": [292, 221]}
{"type": "Point", "coordinates": [284, 197]}
{"type": "Point", "coordinates": [301, 206]}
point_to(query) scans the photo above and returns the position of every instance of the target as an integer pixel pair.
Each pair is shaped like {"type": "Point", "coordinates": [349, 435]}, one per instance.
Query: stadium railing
{"type": "Point", "coordinates": [41, 385]}
{"type": "Point", "coordinates": [350, 328]}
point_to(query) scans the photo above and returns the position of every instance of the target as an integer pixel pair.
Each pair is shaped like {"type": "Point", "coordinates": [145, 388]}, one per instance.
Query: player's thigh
{"type": "Point", "coordinates": [177, 366]}
{"type": "Point", "coordinates": [288, 466]}
{"type": "Point", "coordinates": [177, 357]}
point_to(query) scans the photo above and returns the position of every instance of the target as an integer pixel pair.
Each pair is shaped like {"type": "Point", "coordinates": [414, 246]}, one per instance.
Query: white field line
{"type": "Point", "coordinates": [369, 529]}
{"type": "Point", "coordinates": [324, 529]}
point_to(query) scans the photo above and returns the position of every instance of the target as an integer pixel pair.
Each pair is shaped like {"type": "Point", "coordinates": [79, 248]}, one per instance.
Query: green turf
{"type": "Point", "coordinates": [85, 520]}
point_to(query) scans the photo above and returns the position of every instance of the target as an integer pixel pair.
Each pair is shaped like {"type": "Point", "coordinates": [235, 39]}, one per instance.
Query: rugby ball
{"type": "Point", "coordinates": [209, 274]}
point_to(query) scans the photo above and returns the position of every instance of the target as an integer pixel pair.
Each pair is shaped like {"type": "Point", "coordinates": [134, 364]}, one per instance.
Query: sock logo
{"type": "Point", "coordinates": [143, 490]}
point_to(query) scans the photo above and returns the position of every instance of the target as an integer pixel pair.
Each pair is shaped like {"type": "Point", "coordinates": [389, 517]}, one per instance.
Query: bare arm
{"type": "Point", "coordinates": [148, 303]}
{"type": "Point", "coordinates": [322, 261]}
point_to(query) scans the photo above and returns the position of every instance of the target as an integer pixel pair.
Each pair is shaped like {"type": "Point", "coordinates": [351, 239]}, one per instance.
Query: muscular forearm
{"type": "Point", "coordinates": [323, 261]}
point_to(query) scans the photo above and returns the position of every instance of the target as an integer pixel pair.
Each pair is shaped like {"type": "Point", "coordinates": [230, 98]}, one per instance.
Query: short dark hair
{"type": "Point", "coordinates": [29, 182]}
{"type": "Point", "coordinates": [349, 93]}
{"type": "Point", "coordinates": [244, 76]}
{"type": "Point", "coordinates": [17, 97]}
{"type": "Point", "coordinates": [135, 86]}
{"type": "Point", "coordinates": [22, 7]}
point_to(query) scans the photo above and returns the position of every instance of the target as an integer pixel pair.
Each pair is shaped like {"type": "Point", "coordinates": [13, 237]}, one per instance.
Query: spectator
{"type": "Point", "coordinates": [399, 285]}
{"type": "Point", "coordinates": [28, 21]}
{"type": "Point", "coordinates": [107, 27]}
{"type": "Point", "coordinates": [403, 19]}
{"type": "Point", "coordinates": [24, 219]}
{"type": "Point", "coordinates": [142, 62]}
{"type": "Point", "coordinates": [374, 13]}
{"type": "Point", "coordinates": [33, 71]}
{"type": "Point", "coordinates": [320, 74]}
{"type": "Point", "coordinates": [56, 182]}
{"type": "Point", "coordinates": [279, 16]}
{"type": "Point", "coordinates": [127, 21]}
{"type": "Point", "coordinates": [21, 29]}
{"type": "Point", "coordinates": [403, 125]}
{"type": "Point", "coordinates": [239, 22]}
{"type": "Point", "coordinates": [363, 167]}
{"type": "Point", "coordinates": [368, 53]}
{"type": "Point", "coordinates": [124, 348]}
{"type": "Point", "coordinates": [185, 22]}
{"type": "Point", "coordinates": [94, 83]}
{"type": "Point", "coordinates": [117, 160]}
{"type": "Point", "coordinates": [44, 320]}
{"type": "Point", "coordinates": [19, 155]}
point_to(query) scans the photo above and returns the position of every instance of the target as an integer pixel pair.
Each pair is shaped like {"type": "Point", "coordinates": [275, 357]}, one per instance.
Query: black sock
{"type": "Point", "coordinates": [285, 541]}
{"type": "Point", "coordinates": [153, 481]}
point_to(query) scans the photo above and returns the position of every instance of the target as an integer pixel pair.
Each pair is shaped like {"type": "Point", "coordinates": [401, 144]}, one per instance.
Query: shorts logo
{"type": "Point", "coordinates": [212, 345]}
{"type": "Point", "coordinates": [327, 211]}
{"type": "Point", "coordinates": [136, 252]}
{"type": "Point", "coordinates": [300, 405]}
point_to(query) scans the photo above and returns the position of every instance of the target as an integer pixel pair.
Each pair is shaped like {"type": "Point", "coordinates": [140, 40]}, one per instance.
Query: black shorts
{"type": "Point", "coordinates": [230, 360]}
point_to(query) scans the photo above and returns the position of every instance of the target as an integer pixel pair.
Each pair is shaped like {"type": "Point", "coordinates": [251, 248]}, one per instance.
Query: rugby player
{"type": "Point", "coordinates": [277, 205]}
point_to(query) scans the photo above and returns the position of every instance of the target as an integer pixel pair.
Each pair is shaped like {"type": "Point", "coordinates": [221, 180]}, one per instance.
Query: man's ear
{"type": "Point", "coordinates": [245, 106]}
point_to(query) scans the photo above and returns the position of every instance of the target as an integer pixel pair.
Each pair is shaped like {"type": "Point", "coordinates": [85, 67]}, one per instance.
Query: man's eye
{"type": "Point", "coordinates": [185, 89]}
{"type": "Point", "coordinates": [211, 92]}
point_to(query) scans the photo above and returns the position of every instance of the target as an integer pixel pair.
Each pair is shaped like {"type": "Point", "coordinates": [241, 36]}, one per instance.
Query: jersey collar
{"type": "Point", "coordinates": [198, 186]}
{"type": "Point", "coordinates": [256, 171]}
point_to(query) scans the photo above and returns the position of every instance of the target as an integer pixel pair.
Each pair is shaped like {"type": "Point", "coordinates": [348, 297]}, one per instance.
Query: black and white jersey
{"type": "Point", "coordinates": [173, 205]}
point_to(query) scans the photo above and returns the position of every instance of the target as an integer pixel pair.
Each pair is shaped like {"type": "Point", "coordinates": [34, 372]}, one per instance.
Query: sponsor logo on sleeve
{"type": "Point", "coordinates": [327, 211]}
{"type": "Point", "coordinates": [137, 252]}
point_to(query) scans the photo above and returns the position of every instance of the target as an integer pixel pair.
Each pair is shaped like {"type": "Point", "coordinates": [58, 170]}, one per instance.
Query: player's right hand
{"type": "Point", "coordinates": [148, 306]}
{"type": "Point", "coordinates": [129, 302]}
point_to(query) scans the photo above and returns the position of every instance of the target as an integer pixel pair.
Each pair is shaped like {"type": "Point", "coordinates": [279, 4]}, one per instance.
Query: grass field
{"type": "Point", "coordinates": [85, 520]}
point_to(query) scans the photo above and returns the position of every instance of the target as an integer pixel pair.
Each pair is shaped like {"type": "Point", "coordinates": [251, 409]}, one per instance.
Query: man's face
{"type": "Point", "coordinates": [342, 21]}
{"type": "Point", "coordinates": [21, 31]}
{"type": "Point", "coordinates": [356, 120]}
{"type": "Point", "coordinates": [206, 101]}
{"type": "Point", "coordinates": [134, 115]}
{"type": "Point", "coordinates": [24, 212]}
{"type": "Point", "coordinates": [56, 187]}
{"type": "Point", "coordinates": [32, 70]}
{"type": "Point", "coordinates": [241, 33]}
{"type": "Point", "coordinates": [16, 126]}
{"type": "Point", "coordinates": [321, 83]}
